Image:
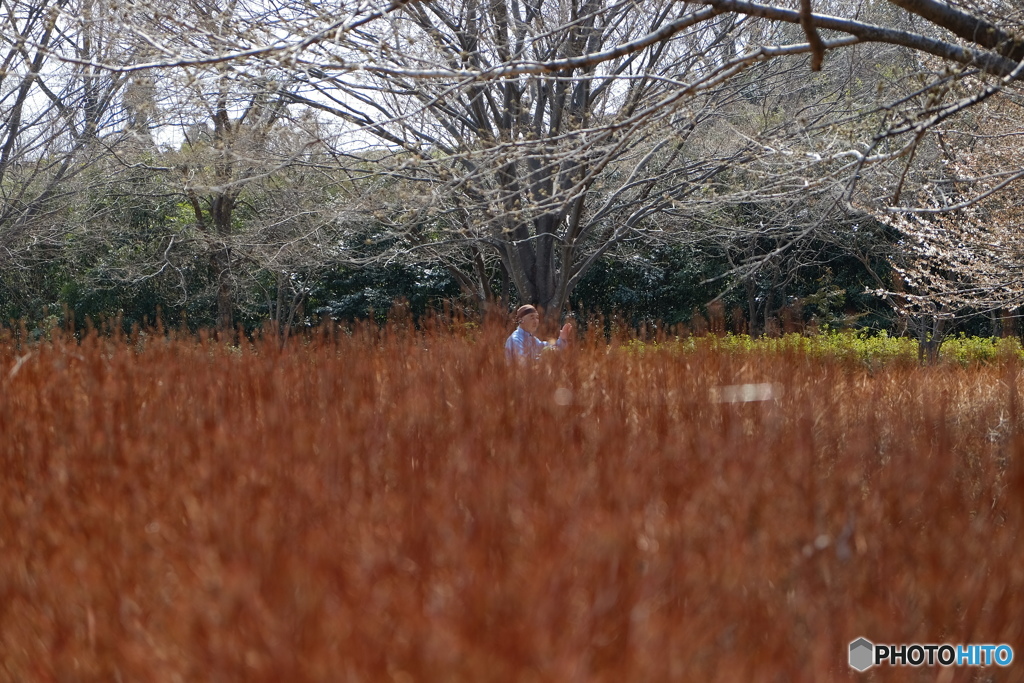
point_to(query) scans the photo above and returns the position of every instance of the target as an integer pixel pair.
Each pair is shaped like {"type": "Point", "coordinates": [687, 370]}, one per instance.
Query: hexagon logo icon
{"type": "Point", "coordinates": [861, 654]}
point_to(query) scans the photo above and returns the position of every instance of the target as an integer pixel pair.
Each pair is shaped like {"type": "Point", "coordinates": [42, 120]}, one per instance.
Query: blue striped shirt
{"type": "Point", "coordinates": [523, 345]}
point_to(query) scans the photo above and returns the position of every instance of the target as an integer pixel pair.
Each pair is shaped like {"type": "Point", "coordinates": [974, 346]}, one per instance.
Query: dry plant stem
{"type": "Point", "coordinates": [389, 503]}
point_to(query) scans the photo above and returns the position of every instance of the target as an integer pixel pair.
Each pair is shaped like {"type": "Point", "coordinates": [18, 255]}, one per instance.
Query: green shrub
{"type": "Point", "coordinates": [871, 348]}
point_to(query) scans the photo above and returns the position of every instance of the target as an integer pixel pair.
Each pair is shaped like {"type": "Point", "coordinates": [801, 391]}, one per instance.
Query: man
{"type": "Point", "coordinates": [523, 345]}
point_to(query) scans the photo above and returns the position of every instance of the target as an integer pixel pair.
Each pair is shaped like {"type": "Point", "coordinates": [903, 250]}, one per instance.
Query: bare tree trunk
{"type": "Point", "coordinates": [222, 209]}
{"type": "Point", "coordinates": [225, 297]}
{"type": "Point", "coordinates": [930, 338]}
{"type": "Point", "coordinates": [751, 305]}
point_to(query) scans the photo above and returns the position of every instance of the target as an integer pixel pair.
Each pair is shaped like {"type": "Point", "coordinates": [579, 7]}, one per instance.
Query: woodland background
{"type": "Point", "coordinates": [774, 167]}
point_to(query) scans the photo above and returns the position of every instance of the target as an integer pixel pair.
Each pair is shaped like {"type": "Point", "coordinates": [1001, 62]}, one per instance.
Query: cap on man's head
{"type": "Point", "coordinates": [524, 311]}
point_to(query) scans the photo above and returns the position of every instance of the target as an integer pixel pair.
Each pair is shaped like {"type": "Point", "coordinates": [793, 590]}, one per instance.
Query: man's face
{"type": "Point", "coordinates": [530, 322]}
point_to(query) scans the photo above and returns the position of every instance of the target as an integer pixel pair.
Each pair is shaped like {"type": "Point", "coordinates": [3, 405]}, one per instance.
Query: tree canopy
{"type": "Point", "coordinates": [512, 144]}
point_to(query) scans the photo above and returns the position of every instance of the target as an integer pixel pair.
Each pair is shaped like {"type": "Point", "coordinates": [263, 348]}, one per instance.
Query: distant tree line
{"type": "Point", "coordinates": [143, 266]}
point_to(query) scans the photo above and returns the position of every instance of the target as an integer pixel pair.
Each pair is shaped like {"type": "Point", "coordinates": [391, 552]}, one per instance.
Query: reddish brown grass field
{"type": "Point", "coordinates": [392, 505]}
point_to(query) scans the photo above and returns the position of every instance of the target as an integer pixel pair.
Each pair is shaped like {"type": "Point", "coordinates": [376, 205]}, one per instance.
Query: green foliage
{"type": "Point", "coordinates": [349, 294]}
{"type": "Point", "coordinates": [824, 285]}
{"type": "Point", "coordinates": [965, 349]}
{"type": "Point", "coordinates": [666, 284]}
{"type": "Point", "coordinates": [863, 346]}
